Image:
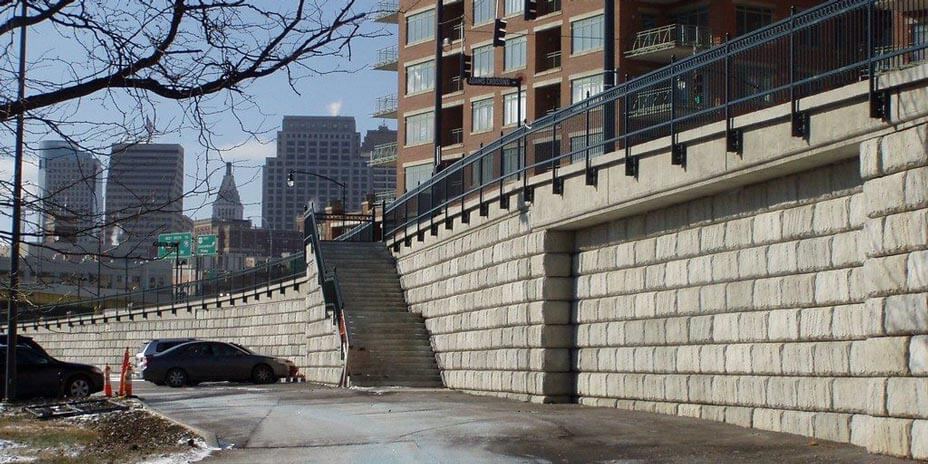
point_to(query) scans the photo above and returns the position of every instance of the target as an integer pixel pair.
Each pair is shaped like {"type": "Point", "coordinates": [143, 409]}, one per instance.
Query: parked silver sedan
{"type": "Point", "coordinates": [204, 361]}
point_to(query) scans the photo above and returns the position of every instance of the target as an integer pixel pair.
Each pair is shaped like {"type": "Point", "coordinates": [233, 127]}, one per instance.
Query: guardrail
{"type": "Point", "coordinates": [186, 296]}
{"type": "Point", "coordinates": [823, 48]}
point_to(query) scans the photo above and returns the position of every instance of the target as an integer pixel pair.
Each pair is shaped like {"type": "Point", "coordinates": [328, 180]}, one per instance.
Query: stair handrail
{"type": "Point", "coordinates": [327, 280]}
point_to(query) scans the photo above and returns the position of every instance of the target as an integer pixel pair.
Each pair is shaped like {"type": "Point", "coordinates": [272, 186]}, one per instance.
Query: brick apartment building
{"type": "Point", "coordinates": [558, 56]}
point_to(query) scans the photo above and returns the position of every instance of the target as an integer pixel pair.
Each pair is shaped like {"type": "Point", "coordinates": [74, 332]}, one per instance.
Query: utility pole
{"type": "Point", "coordinates": [11, 320]}
{"type": "Point", "coordinates": [439, 8]}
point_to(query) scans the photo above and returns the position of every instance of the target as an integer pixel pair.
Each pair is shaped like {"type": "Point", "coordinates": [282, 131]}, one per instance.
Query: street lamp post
{"type": "Point", "coordinates": [290, 183]}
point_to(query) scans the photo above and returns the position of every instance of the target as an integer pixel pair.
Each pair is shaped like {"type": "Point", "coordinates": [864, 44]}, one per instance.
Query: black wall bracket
{"type": "Point", "coordinates": [880, 105]}
{"type": "Point", "coordinates": [801, 123]}
{"type": "Point", "coordinates": [631, 166]}
{"type": "Point", "coordinates": [678, 155]}
{"type": "Point", "coordinates": [734, 141]}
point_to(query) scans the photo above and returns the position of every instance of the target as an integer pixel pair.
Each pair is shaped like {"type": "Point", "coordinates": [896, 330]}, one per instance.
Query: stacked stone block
{"type": "Point", "coordinates": [747, 307]}
{"type": "Point", "coordinates": [323, 345]}
{"type": "Point", "coordinates": [895, 169]}
{"type": "Point", "coordinates": [495, 301]}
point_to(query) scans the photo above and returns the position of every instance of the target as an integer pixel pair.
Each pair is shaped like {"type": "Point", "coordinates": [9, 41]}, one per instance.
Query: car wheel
{"type": "Point", "coordinates": [263, 373]}
{"type": "Point", "coordinates": [175, 378]}
{"type": "Point", "coordinates": [77, 387]}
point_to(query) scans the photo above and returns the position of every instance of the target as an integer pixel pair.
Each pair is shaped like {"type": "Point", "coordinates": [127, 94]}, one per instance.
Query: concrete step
{"type": "Point", "coordinates": [391, 349]}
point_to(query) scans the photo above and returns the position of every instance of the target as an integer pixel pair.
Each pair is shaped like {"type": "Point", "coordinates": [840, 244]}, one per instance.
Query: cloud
{"type": "Point", "coordinates": [335, 108]}
{"type": "Point", "coordinates": [248, 150]}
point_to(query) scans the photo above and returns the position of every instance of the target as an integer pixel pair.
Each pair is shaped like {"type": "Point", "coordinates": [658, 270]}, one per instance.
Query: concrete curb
{"type": "Point", "coordinates": [207, 436]}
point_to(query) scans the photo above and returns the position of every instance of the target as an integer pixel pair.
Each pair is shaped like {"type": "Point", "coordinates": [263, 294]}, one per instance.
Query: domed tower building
{"type": "Point", "coordinates": [228, 204]}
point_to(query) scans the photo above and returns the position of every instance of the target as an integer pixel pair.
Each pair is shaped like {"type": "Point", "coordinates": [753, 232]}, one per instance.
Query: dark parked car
{"type": "Point", "coordinates": [42, 376]}
{"type": "Point", "coordinates": [28, 341]}
{"type": "Point", "coordinates": [155, 346]}
{"type": "Point", "coordinates": [201, 361]}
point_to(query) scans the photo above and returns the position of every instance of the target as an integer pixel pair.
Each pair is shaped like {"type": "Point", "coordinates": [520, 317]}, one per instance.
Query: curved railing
{"type": "Point", "coordinates": [823, 48]}
{"type": "Point", "coordinates": [188, 295]}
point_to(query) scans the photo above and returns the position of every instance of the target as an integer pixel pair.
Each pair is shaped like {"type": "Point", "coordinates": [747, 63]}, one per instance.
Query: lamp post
{"type": "Point", "coordinates": [344, 187]}
{"type": "Point", "coordinates": [10, 391]}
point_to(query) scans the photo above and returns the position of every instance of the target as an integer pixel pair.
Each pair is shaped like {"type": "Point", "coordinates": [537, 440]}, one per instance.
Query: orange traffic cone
{"type": "Point", "coordinates": [128, 389]}
{"type": "Point", "coordinates": [107, 386]}
{"type": "Point", "coordinates": [123, 377]}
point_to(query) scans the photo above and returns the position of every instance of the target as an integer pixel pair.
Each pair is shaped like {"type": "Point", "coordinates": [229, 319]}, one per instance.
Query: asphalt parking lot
{"type": "Point", "coordinates": [299, 423]}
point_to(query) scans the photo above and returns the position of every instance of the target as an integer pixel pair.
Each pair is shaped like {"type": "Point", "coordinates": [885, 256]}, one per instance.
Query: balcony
{"type": "Point", "coordinates": [386, 196]}
{"type": "Point", "coordinates": [547, 50]}
{"type": "Point", "coordinates": [383, 154]}
{"type": "Point", "coordinates": [546, 7]}
{"type": "Point", "coordinates": [385, 107]}
{"type": "Point", "coordinates": [387, 59]}
{"type": "Point", "coordinates": [661, 44]}
{"type": "Point", "coordinates": [387, 11]}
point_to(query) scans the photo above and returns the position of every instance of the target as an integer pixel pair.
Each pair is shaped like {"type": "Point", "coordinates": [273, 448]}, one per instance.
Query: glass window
{"type": "Point", "coordinates": [578, 143]}
{"type": "Point", "coordinates": [510, 110]}
{"type": "Point", "coordinates": [580, 88]}
{"type": "Point", "coordinates": [483, 61]}
{"type": "Point", "coordinates": [515, 53]}
{"type": "Point", "coordinates": [221, 349]}
{"type": "Point", "coordinates": [482, 115]}
{"type": "Point", "coordinates": [750, 18]}
{"type": "Point", "coordinates": [419, 128]}
{"type": "Point", "coordinates": [586, 34]}
{"type": "Point", "coordinates": [484, 11]}
{"type": "Point", "coordinates": [514, 6]}
{"type": "Point", "coordinates": [694, 17]}
{"type": "Point", "coordinates": [484, 169]}
{"type": "Point", "coordinates": [416, 175]}
{"type": "Point", "coordinates": [511, 159]}
{"type": "Point", "coordinates": [420, 77]}
{"type": "Point", "coordinates": [420, 27]}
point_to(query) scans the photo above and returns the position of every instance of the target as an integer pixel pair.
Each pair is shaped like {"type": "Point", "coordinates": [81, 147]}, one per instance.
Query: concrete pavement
{"type": "Point", "coordinates": [301, 423]}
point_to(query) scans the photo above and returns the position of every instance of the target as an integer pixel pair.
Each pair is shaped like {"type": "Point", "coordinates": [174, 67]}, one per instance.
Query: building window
{"type": "Point", "coordinates": [482, 115]}
{"type": "Point", "coordinates": [484, 11]}
{"type": "Point", "coordinates": [515, 53]}
{"type": "Point", "coordinates": [420, 27]}
{"type": "Point", "coordinates": [420, 77]}
{"type": "Point", "coordinates": [510, 110]}
{"type": "Point", "coordinates": [514, 6]}
{"type": "Point", "coordinates": [695, 17]}
{"type": "Point", "coordinates": [578, 145]}
{"type": "Point", "coordinates": [416, 175]}
{"type": "Point", "coordinates": [511, 159]}
{"type": "Point", "coordinates": [586, 34]}
{"type": "Point", "coordinates": [580, 88]}
{"type": "Point", "coordinates": [483, 61]}
{"type": "Point", "coordinates": [419, 128]}
{"type": "Point", "coordinates": [750, 18]}
{"type": "Point", "coordinates": [483, 170]}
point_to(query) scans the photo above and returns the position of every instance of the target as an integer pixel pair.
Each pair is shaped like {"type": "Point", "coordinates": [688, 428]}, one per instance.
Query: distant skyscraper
{"type": "Point", "coordinates": [379, 150]}
{"type": "Point", "coordinates": [324, 145]}
{"type": "Point", "coordinates": [71, 192]}
{"type": "Point", "coordinates": [228, 204]}
{"type": "Point", "coordinates": [144, 196]}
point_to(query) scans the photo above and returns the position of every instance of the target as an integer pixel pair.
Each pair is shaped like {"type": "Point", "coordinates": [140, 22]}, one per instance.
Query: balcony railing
{"type": "Point", "coordinates": [551, 60]}
{"type": "Point", "coordinates": [385, 196]}
{"type": "Point", "coordinates": [548, 6]}
{"type": "Point", "coordinates": [385, 107]}
{"type": "Point", "coordinates": [774, 65]}
{"type": "Point", "coordinates": [455, 84]}
{"type": "Point", "coordinates": [455, 136]}
{"type": "Point", "coordinates": [661, 43]}
{"type": "Point", "coordinates": [383, 154]}
{"type": "Point", "coordinates": [387, 11]}
{"type": "Point", "coordinates": [387, 59]}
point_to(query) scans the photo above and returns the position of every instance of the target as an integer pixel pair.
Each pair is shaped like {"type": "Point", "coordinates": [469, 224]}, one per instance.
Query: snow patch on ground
{"type": "Point", "coordinates": [8, 454]}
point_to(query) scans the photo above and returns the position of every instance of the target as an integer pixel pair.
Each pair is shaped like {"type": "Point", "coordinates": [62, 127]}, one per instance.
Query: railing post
{"type": "Point", "coordinates": [557, 184]}
{"type": "Point", "coordinates": [503, 198]}
{"type": "Point", "coordinates": [734, 138]}
{"type": "Point", "coordinates": [879, 101]}
{"type": "Point", "coordinates": [591, 177]}
{"type": "Point", "coordinates": [800, 119]}
{"type": "Point", "coordinates": [677, 150]}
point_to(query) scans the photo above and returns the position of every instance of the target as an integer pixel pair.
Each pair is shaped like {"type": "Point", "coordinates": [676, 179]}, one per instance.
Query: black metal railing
{"type": "Point", "coordinates": [183, 296]}
{"type": "Point", "coordinates": [826, 47]}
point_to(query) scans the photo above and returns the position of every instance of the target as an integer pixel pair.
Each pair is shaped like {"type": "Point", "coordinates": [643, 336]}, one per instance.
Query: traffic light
{"type": "Point", "coordinates": [499, 33]}
{"type": "Point", "coordinates": [467, 65]}
{"type": "Point", "coordinates": [530, 9]}
{"type": "Point", "coordinates": [698, 89]}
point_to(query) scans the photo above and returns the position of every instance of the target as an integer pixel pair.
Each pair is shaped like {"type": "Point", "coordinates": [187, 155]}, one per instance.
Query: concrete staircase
{"type": "Point", "coordinates": [388, 345]}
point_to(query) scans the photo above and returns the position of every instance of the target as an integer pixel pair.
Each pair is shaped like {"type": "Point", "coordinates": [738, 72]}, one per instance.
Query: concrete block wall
{"type": "Point", "coordinates": [495, 302]}
{"type": "Point", "coordinates": [895, 172]}
{"type": "Point", "coordinates": [323, 345]}
{"type": "Point", "coordinates": [287, 320]}
{"type": "Point", "coordinates": [273, 325]}
{"type": "Point", "coordinates": [795, 305]}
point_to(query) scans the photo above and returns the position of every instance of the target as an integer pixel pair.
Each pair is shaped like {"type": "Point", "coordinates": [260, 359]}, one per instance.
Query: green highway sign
{"type": "Point", "coordinates": [166, 249]}
{"type": "Point", "coordinates": [207, 245]}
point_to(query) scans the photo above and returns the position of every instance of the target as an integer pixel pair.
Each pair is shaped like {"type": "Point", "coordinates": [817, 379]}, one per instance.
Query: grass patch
{"type": "Point", "coordinates": [25, 430]}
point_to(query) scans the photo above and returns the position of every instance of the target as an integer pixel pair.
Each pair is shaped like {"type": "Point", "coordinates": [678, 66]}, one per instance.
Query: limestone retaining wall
{"type": "Point", "coordinates": [287, 320]}
{"type": "Point", "coordinates": [495, 301]}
